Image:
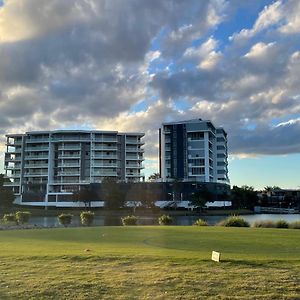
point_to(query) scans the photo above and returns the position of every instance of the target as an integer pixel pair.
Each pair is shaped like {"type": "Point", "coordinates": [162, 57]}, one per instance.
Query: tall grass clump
{"type": "Point", "coordinates": [87, 218]}
{"type": "Point", "coordinates": [65, 219]}
{"type": "Point", "coordinates": [200, 222]}
{"type": "Point", "coordinates": [129, 220]}
{"type": "Point", "coordinates": [165, 220]}
{"type": "Point", "coordinates": [9, 218]}
{"type": "Point", "coordinates": [234, 221]}
{"type": "Point", "coordinates": [264, 224]}
{"type": "Point", "coordinates": [22, 217]}
{"type": "Point", "coordinates": [282, 224]}
{"type": "Point", "coordinates": [295, 225]}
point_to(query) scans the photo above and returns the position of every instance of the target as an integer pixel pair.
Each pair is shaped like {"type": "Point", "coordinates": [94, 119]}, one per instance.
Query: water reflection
{"type": "Point", "coordinates": [51, 221]}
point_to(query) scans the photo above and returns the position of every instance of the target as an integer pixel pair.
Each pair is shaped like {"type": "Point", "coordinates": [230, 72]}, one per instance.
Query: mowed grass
{"type": "Point", "coordinates": [150, 262]}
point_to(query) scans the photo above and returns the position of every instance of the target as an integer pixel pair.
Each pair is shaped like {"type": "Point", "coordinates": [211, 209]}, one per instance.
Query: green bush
{"type": "Point", "coordinates": [234, 221]}
{"type": "Point", "coordinates": [295, 225]}
{"type": "Point", "coordinates": [129, 220]}
{"type": "Point", "coordinates": [282, 224]}
{"type": "Point", "coordinates": [201, 222]}
{"type": "Point", "coordinates": [165, 220]}
{"type": "Point", "coordinates": [264, 224]}
{"type": "Point", "coordinates": [9, 218]}
{"type": "Point", "coordinates": [65, 219]}
{"type": "Point", "coordinates": [87, 218]}
{"type": "Point", "coordinates": [22, 217]}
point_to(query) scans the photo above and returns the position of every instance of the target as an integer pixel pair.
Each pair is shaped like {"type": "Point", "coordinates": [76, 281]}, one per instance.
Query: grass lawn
{"type": "Point", "coordinates": [150, 262]}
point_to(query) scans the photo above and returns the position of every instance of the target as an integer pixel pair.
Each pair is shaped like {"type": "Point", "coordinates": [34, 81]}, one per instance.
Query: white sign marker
{"type": "Point", "coordinates": [216, 256]}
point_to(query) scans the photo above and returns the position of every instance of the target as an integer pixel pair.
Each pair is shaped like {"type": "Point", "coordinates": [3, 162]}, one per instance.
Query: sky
{"type": "Point", "coordinates": [130, 65]}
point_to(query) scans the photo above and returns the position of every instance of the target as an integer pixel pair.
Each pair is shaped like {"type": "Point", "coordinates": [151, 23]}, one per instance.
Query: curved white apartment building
{"type": "Point", "coordinates": [56, 163]}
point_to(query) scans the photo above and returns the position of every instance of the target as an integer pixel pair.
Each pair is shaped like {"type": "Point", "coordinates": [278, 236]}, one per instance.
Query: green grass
{"type": "Point", "coordinates": [150, 262]}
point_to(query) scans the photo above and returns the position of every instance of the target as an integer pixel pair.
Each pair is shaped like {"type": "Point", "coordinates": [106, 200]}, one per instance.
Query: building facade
{"type": "Point", "coordinates": [53, 164]}
{"type": "Point", "coordinates": [193, 150]}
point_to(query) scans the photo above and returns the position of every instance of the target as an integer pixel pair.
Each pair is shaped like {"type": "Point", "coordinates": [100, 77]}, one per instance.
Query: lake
{"type": "Point", "coordinates": [178, 220]}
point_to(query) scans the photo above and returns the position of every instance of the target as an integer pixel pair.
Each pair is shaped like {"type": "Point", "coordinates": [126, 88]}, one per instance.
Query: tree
{"type": "Point", "coordinates": [113, 194]}
{"type": "Point", "coordinates": [201, 197]}
{"type": "Point", "coordinates": [244, 197]}
{"type": "Point", "coordinates": [153, 177]}
{"type": "Point", "coordinates": [86, 195]}
{"type": "Point", "coordinates": [7, 196]}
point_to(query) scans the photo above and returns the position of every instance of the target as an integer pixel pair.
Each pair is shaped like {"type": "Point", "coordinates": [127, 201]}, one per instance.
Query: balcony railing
{"type": "Point", "coordinates": [36, 166]}
{"type": "Point", "coordinates": [33, 157]}
{"type": "Point", "coordinates": [69, 148]}
{"type": "Point", "coordinates": [108, 140]}
{"type": "Point", "coordinates": [11, 183]}
{"type": "Point", "coordinates": [134, 157]}
{"type": "Point", "coordinates": [37, 140]}
{"type": "Point", "coordinates": [108, 148]}
{"type": "Point", "coordinates": [77, 165]}
{"type": "Point", "coordinates": [38, 174]}
{"type": "Point", "coordinates": [71, 138]}
{"type": "Point", "coordinates": [135, 175]}
{"type": "Point", "coordinates": [105, 156]}
{"type": "Point", "coordinates": [37, 149]}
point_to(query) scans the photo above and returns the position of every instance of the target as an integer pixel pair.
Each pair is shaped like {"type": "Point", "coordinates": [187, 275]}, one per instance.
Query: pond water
{"type": "Point", "coordinates": [178, 220]}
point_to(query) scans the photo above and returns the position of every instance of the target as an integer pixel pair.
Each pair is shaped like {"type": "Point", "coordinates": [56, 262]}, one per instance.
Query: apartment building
{"type": "Point", "coordinates": [193, 150]}
{"type": "Point", "coordinates": [56, 163]}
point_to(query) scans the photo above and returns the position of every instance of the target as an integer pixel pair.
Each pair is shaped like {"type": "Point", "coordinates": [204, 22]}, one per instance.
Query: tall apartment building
{"type": "Point", "coordinates": [193, 150]}
{"type": "Point", "coordinates": [56, 163]}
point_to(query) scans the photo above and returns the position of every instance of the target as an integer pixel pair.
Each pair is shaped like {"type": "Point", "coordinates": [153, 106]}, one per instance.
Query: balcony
{"type": "Point", "coordinates": [106, 165]}
{"type": "Point", "coordinates": [105, 148]}
{"type": "Point", "coordinates": [107, 140]}
{"type": "Point", "coordinates": [135, 175]}
{"type": "Point", "coordinates": [134, 142]}
{"type": "Point", "coordinates": [134, 166]}
{"type": "Point", "coordinates": [15, 167]}
{"type": "Point", "coordinates": [36, 157]}
{"type": "Point", "coordinates": [12, 151]}
{"type": "Point", "coordinates": [69, 156]}
{"type": "Point", "coordinates": [140, 158]}
{"type": "Point", "coordinates": [76, 148]}
{"type": "Point", "coordinates": [66, 180]}
{"type": "Point", "coordinates": [12, 159]}
{"type": "Point", "coordinates": [105, 173]}
{"type": "Point", "coordinates": [37, 140]}
{"type": "Point", "coordinates": [34, 149]}
{"type": "Point", "coordinates": [64, 173]}
{"type": "Point", "coordinates": [71, 138]}
{"type": "Point", "coordinates": [71, 165]}
{"type": "Point", "coordinates": [134, 149]}
{"type": "Point", "coordinates": [15, 183]}
{"type": "Point", "coordinates": [105, 157]}
{"type": "Point", "coordinates": [36, 174]}
{"type": "Point", "coordinates": [32, 166]}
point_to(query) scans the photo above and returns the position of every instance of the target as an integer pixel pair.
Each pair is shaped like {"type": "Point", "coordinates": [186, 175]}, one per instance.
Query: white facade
{"type": "Point", "coordinates": [193, 150]}
{"type": "Point", "coordinates": [57, 163]}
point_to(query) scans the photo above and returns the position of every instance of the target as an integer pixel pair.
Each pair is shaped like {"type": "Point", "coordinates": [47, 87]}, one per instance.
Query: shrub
{"type": "Point", "coordinates": [295, 225]}
{"type": "Point", "coordinates": [282, 224]}
{"type": "Point", "coordinates": [9, 218]}
{"type": "Point", "coordinates": [22, 217]}
{"type": "Point", "coordinates": [87, 218]}
{"type": "Point", "coordinates": [201, 222]}
{"type": "Point", "coordinates": [264, 224]}
{"type": "Point", "coordinates": [165, 220]}
{"type": "Point", "coordinates": [234, 221]}
{"type": "Point", "coordinates": [129, 220]}
{"type": "Point", "coordinates": [65, 219]}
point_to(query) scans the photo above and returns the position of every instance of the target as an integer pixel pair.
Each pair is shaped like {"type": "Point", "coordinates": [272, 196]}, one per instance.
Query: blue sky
{"type": "Point", "coordinates": [131, 65]}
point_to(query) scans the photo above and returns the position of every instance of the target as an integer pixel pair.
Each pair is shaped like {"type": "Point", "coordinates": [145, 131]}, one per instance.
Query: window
{"type": "Point", "coordinates": [198, 171]}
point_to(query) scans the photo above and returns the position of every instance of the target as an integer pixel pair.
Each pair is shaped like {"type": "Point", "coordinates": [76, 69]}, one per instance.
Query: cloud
{"type": "Point", "coordinates": [92, 62]}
